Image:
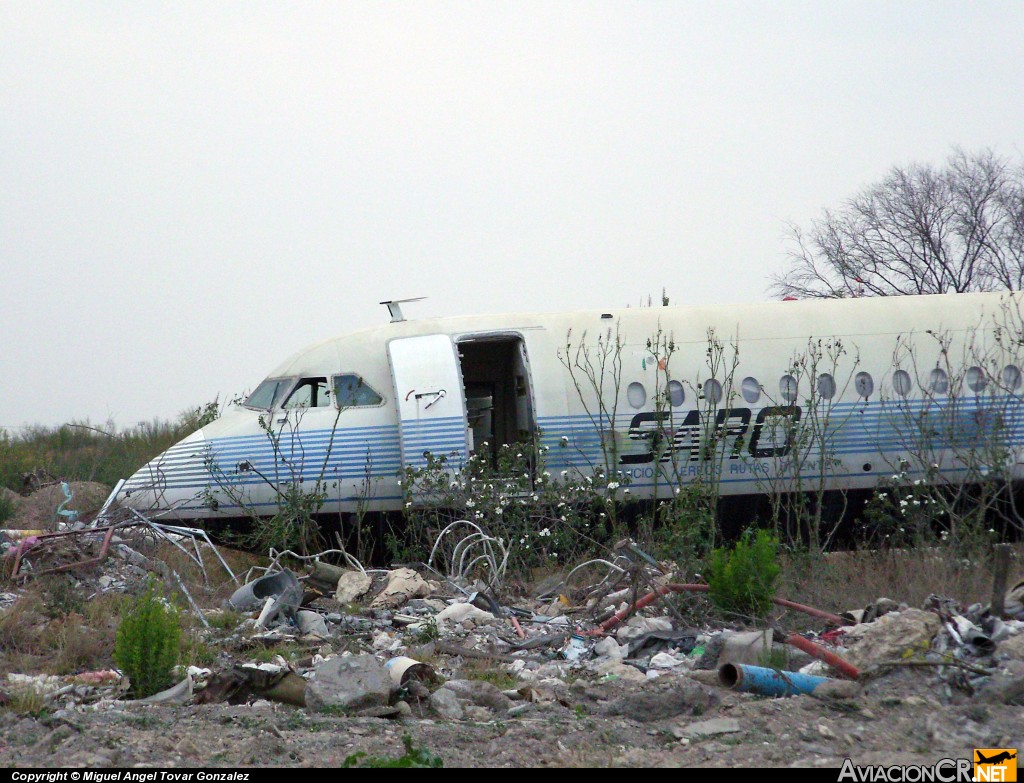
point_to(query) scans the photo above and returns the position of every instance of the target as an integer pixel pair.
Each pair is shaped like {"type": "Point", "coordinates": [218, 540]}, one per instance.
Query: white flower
{"type": "Point", "coordinates": [498, 510]}
{"type": "Point", "coordinates": [564, 440]}
{"type": "Point", "coordinates": [565, 473]}
{"type": "Point", "coordinates": [613, 485]}
{"type": "Point", "coordinates": [544, 533]}
{"type": "Point", "coordinates": [470, 503]}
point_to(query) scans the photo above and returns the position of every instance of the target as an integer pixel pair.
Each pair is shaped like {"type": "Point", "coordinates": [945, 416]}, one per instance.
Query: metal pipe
{"type": "Point", "coordinates": [646, 600]}
{"type": "Point", "coordinates": [767, 682]}
{"type": "Point", "coordinates": [841, 665]}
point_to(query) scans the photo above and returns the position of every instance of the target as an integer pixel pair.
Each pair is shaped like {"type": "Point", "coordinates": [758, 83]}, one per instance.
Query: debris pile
{"type": "Point", "coordinates": [446, 640]}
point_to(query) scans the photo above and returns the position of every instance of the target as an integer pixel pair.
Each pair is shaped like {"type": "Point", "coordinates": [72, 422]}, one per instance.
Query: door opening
{"type": "Point", "coordinates": [499, 400]}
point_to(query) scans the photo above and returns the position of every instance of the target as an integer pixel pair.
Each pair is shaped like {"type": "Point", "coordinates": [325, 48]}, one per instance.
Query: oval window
{"type": "Point", "coordinates": [751, 389]}
{"type": "Point", "coordinates": [636, 394]}
{"type": "Point", "coordinates": [976, 380]}
{"type": "Point", "coordinates": [826, 386]}
{"type": "Point", "coordinates": [938, 381]}
{"type": "Point", "coordinates": [787, 388]}
{"type": "Point", "coordinates": [864, 384]}
{"type": "Point", "coordinates": [676, 393]}
{"type": "Point", "coordinates": [713, 391]}
{"type": "Point", "coordinates": [901, 382]}
{"type": "Point", "coordinates": [1011, 377]}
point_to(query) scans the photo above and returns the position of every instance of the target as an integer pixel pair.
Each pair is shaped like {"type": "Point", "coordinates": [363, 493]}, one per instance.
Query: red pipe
{"type": "Point", "coordinates": [832, 618]}
{"type": "Point", "coordinates": [841, 665]}
{"type": "Point", "coordinates": [648, 599]}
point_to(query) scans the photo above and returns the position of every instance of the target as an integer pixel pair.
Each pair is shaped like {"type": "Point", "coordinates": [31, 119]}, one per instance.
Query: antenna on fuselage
{"type": "Point", "coordinates": [395, 307]}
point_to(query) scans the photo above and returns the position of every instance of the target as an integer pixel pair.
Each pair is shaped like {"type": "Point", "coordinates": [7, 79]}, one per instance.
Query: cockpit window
{"type": "Point", "coordinates": [351, 391]}
{"type": "Point", "coordinates": [310, 393]}
{"type": "Point", "coordinates": [268, 393]}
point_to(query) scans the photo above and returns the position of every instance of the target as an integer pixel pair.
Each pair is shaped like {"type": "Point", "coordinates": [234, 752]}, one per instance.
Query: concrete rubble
{"type": "Point", "coordinates": [408, 644]}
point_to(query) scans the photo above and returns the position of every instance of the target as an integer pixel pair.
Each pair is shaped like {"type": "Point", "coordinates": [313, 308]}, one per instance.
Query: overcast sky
{"type": "Point", "coordinates": [191, 192]}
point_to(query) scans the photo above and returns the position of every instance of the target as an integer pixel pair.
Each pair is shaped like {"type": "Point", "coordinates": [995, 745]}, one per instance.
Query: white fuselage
{"type": "Point", "coordinates": [353, 412]}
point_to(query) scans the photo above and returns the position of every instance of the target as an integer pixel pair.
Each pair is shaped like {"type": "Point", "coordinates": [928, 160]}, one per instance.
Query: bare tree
{"type": "Point", "coordinates": [921, 230]}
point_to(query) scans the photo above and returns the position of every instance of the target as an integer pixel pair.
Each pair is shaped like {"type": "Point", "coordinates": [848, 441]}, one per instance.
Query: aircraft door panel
{"type": "Point", "coordinates": [431, 403]}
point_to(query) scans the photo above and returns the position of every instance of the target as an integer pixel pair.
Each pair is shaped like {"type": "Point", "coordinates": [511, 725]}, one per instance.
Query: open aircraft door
{"type": "Point", "coordinates": [431, 402]}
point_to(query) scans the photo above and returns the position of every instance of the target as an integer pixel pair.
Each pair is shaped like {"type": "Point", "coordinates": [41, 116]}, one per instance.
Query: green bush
{"type": "Point", "coordinates": [742, 579]}
{"type": "Point", "coordinates": [148, 643]}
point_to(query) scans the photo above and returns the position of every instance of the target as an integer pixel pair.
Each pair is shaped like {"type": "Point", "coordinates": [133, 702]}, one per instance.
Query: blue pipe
{"type": "Point", "coordinates": [767, 682]}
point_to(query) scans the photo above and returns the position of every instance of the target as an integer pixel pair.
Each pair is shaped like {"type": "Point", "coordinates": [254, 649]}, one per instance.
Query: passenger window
{"type": "Point", "coordinates": [310, 393]}
{"type": "Point", "coordinates": [901, 382]}
{"type": "Point", "coordinates": [751, 389]}
{"type": "Point", "coordinates": [713, 391]}
{"type": "Point", "coordinates": [864, 384]}
{"type": "Point", "coordinates": [636, 394]}
{"type": "Point", "coordinates": [938, 381]}
{"type": "Point", "coordinates": [351, 391]}
{"type": "Point", "coordinates": [1011, 377]}
{"type": "Point", "coordinates": [676, 393]}
{"type": "Point", "coordinates": [826, 386]}
{"type": "Point", "coordinates": [787, 388]}
{"type": "Point", "coordinates": [976, 380]}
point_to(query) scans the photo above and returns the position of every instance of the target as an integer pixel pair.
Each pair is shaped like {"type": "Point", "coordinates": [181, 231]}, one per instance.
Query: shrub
{"type": "Point", "coordinates": [742, 579]}
{"type": "Point", "coordinates": [148, 643]}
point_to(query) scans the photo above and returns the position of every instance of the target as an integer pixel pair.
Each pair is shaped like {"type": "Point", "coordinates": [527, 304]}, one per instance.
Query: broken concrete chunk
{"type": "Point", "coordinates": [445, 704]}
{"type": "Point", "coordinates": [352, 585]}
{"type": "Point", "coordinates": [707, 728]}
{"type": "Point", "coordinates": [312, 623]}
{"type": "Point", "coordinates": [479, 692]}
{"type": "Point", "coordinates": [891, 637]}
{"type": "Point", "coordinates": [403, 584]}
{"type": "Point", "coordinates": [638, 626]}
{"type": "Point", "coordinates": [609, 648]}
{"type": "Point", "coordinates": [458, 613]}
{"type": "Point", "coordinates": [352, 684]}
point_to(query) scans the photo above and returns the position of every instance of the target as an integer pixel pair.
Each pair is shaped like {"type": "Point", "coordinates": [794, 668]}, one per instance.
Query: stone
{"type": "Point", "coordinates": [609, 648]}
{"type": "Point", "coordinates": [480, 693]}
{"type": "Point", "coordinates": [707, 728]}
{"type": "Point", "coordinates": [354, 683]}
{"type": "Point", "coordinates": [521, 709]}
{"type": "Point", "coordinates": [312, 623]}
{"type": "Point", "coordinates": [609, 669]}
{"type": "Point", "coordinates": [458, 613]}
{"type": "Point", "coordinates": [403, 584]}
{"type": "Point", "coordinates": [660, 702]}
{"type": "Point", "coordinates": [838, 690]}
{"type": "Point", "coordinates": [891, 637]}
{"type": "Point", "coordinates": [445, 704]}
{"type": "Point", "coordinates": [352, 585]}
{"type": "Point", "coordinates": [1011, 649]}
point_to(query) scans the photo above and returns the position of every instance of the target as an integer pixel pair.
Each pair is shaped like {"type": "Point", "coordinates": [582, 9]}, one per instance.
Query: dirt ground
{"type": "Point", "coordinates": [523, 704]}
{"type": "Point", "coordinates": [900, 719]}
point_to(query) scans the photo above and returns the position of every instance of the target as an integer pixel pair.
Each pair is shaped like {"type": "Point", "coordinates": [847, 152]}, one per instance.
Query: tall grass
{"type": "Point", "coordinates": [80, 451]}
